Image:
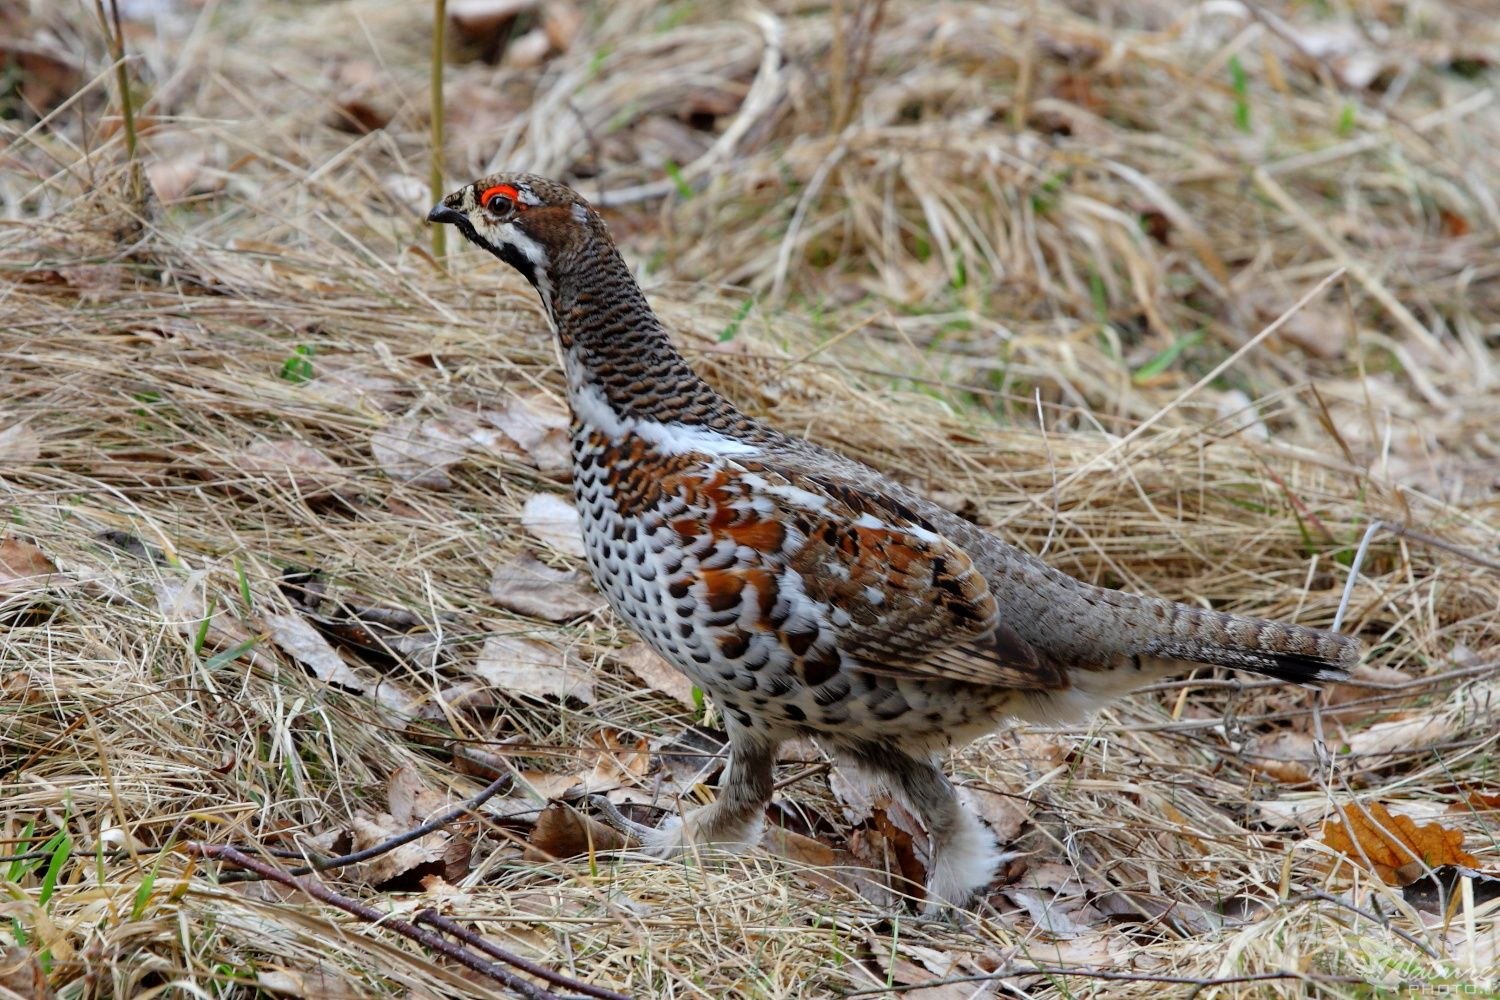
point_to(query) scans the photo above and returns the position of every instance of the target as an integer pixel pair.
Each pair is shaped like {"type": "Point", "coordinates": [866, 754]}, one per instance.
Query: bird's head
{"type": "Point", "coordinates": [538, 226]}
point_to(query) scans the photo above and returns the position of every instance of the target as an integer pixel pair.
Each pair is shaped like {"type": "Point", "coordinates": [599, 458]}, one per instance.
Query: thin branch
{"type": "Point", "coordinates": [437, 822]}
{"type": "Point", "coordinates": [427, 939]}
{"type": "Point", "coordinates": [468, 937]}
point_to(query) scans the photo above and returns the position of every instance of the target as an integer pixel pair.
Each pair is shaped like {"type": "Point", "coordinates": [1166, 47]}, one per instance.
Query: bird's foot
{"type": "Point", "coordinates": [959, 874]}
{"type": "Point", "coordinates": [709, 827]}
{"type": "Point", "coordinates": [640, 833]}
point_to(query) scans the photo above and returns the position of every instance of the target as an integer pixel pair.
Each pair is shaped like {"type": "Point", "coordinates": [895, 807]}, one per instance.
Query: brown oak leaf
{"type": "Point", "coordinates": [1372, 836]}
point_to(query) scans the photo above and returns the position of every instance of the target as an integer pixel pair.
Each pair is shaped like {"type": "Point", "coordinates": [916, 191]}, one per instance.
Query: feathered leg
{"type": "Point", "coordinates": [964, 854]}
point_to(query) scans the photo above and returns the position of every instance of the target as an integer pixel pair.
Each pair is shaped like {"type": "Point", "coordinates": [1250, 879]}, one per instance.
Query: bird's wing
{"type": "Point", "coordinates": [930, 611]}
{"type": "Point", "coordinates": [899, 597]}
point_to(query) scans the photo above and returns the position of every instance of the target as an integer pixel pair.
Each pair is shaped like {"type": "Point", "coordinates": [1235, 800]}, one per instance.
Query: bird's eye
{"type": "Point", "coordinates": [499, 200]}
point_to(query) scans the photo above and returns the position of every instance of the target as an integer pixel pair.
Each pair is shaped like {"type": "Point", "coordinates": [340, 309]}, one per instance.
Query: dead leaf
{"type": "Point", "coordinates": [309, 984]}
{"type": "Point", "coordinates": [361, 106]}
{"type": "Point", "coordinates": [1056, 898]}
{"type": "Point", "coordinates": [1184, 827]}
{"type": "Point", "coordinates": [528, 51]}
{"type": "Point", "coordinates": [359, 111]}
{"type": "Point", "coordinates": [705, 106]}
{"type": "Point", "coordinates": [1356, 689]}
{"type": "Point", "coordinates": [355, 390]}
{"type": "Point", "coordinates": [410, 800]}
{"type": "Point", "coordinates": [407, 190]}
{"type": "Point", "coordinates": [886, 839]}
{"type": "Point", "coordinates": [473, 697]}
{"type": "Point", "coordinates": [22, 976]}
{"type": "Point", "coordinates": [518, 665]}
{"type": "Point", "coordinates": [659, 675]}
{"type": "Point", "coordinates": [378, 632]}
{"type": "Point", "coordinates": [306, 645]}
{"type": "Point", "coordinates": [692, 756]}
{"type": "Point", "coordinates": [550, 785]}
{"type": "Point", "coordinates": [818, 862]}
{"type": "Point", "coordinates": [1400, 736]}
{"type": "Point", "coordinates": [1388, 842]}
{"type": "Point", "coordinates": [950, 991]}
{"type": "Point", "coordinates": [291, 465]}
{"type": "Point", "coordinates": [1184, 918]}
{"type": "Point", "coordinates": [619, 760]}
{"type": "Point", "coordinates": [885, 969]}
{"type": "Point", "coordinates": [1107, 950]}
{"type": "Point", "coordinates": [19, 445]}
{"type": "Point", "coordinates": [1476, 801]}
{"type": "Point", "coordinates": [1321, 330]}
{"type": "Point", "coordinates": [552, 520]}
{"type": "Point", "coordinates": [563, 832]}
{"type": "Point", "coordinates": [24, 568]}
{"type": "Point", "coordinates": [528, 586]}
{"type": "Point", "coordinates": [183, 176]}
{"type": "Point", "coordinates": [1043, 751]}
{"type": "Point", "coordinates": [1290, 755]}
{"type": "Point", "coordinates": [445, 893]}
{"type": "Point", "coordinates": [181, 601]}
{"type": "Point", "coordinates": [537, 426]}
{"type": "Point", "coordinates": [1287, 755]}
{"type": "Point", "coordinates": [19, 686]}
{"type": "Point", "coordinates": [402, 869]}
{"type": "Point", "coordinates": [1454, 225]}
{"type": "Point", "coordinates": [1348, 51]}
{"type": "Point", "coordinates": [1237, 412]}
{"type": "Point", "coordinates": [486, 24]}
{"type": "Point", "coordinates": [892, 842]}
{"type": "Point", "coordinates": [44, 74]}
{"type": "Point", "coordinates": [1058, 916]}
{"type": "Point", "coordinates": [419, 452]}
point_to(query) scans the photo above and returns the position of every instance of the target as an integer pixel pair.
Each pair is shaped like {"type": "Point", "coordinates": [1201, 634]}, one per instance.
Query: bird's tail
{"type": "Point", "coordinates": [1290, 653]}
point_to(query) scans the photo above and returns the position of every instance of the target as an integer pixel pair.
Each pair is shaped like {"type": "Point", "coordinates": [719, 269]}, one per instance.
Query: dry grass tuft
{"type": "Point", "coordinates": [982, 286]}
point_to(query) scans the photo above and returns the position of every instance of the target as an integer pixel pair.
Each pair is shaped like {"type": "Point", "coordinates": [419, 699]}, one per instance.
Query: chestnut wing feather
{"type": "Point", "coordinates": [917, 605]}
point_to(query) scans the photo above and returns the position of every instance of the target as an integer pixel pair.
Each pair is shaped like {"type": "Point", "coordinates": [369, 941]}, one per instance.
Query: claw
{"type": "Point", "coordinates": [610, 813]}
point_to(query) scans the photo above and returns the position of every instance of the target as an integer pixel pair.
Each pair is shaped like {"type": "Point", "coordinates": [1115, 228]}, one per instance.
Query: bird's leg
{"type": "Point", "coordinates": [734, 819]}
{"type": "Point", "coordinates": [964, 854]}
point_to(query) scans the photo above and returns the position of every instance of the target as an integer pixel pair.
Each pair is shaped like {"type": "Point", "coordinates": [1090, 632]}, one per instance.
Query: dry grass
{"type": "Point", "coordinates": [985, 310]}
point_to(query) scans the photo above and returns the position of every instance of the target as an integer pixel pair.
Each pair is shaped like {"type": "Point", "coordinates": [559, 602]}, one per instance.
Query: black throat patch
{"type": "Point", "coordinates": [506, 252]}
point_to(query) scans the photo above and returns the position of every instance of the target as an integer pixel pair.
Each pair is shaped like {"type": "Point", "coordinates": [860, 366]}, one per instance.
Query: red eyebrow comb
{"type": "Point", "coordinates": [500, 189]}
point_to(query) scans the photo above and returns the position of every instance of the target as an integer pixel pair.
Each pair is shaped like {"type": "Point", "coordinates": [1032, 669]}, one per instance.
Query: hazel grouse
{"type": "Point", "coordinates": [806, 593]}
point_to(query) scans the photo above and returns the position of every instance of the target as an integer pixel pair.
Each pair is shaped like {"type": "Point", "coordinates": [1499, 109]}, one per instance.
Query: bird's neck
{"type": "Point", "coordinates": [617, 352]}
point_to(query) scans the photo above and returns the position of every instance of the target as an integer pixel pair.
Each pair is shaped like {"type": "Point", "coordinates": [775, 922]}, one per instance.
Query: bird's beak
{"type": "Point", "coordinates": [442, 213]}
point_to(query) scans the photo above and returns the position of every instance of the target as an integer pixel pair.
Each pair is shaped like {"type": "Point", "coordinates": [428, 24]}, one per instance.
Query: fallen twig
{"type": "Point", "coordinates": [415, 833]}
{"type": "Point", "coordinates": [320, 892]}
{"type": "Point", "coordinates": [468, 937]}
{"type": "Point", "coordinates": [406, 836]}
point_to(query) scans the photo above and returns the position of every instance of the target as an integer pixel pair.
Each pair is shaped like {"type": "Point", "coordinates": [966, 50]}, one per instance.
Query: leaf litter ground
{"type": "Point", "coordinates": [287, 568]}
